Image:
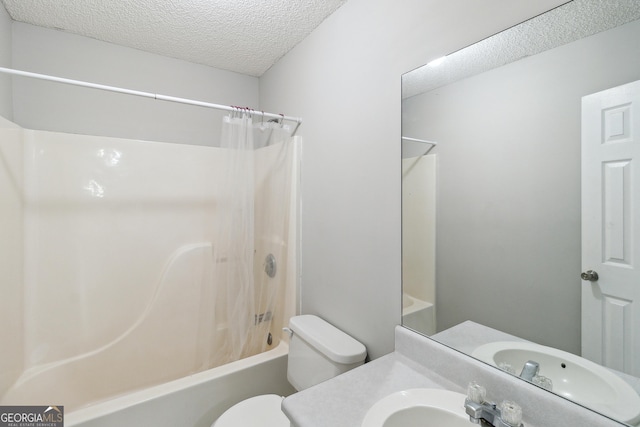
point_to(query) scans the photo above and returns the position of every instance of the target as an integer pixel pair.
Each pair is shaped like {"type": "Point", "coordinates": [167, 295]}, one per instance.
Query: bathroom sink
{"type": "Point", "coordinates": [572, 376]}
{"type": "Point", "coordinates": [419, 407]}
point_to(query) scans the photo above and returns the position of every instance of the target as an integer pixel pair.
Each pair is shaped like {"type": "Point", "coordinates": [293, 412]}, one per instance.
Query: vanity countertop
{"type": "Point", "coordinates": [419, 362]}
{"type": "Point", "coordinates": [343, 401]}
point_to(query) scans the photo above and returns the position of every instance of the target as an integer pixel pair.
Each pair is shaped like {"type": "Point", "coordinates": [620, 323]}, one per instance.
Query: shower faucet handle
{"type": "Point", "coordinates": [270, 266]}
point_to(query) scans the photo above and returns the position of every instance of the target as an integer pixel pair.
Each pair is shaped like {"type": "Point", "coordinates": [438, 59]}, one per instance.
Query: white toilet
{"type": "Point", "coordinates": [317, 352]}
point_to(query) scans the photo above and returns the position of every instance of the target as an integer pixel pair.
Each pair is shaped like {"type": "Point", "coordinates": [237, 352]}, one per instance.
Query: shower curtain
{"type": "Point", "coordinates": [249, 237]}
{"type": "Point", "coordinates": [144, 261]}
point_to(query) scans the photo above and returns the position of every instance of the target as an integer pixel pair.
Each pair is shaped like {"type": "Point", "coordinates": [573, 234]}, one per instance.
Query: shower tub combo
{"type": "Point", "coordinates": [110, 294]}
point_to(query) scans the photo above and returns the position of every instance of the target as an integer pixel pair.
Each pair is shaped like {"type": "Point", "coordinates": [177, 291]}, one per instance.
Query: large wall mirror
{"type": "Point", "coordinates": [521, 202]}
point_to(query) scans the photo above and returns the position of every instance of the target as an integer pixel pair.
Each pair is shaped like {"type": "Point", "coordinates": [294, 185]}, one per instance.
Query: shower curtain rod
{"type": "Point", "coordinates": [159, 97]}
{"type": "Point", "coordinates": [424, 141]}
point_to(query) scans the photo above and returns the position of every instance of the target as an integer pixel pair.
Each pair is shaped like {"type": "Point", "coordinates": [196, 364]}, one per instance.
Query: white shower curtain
{"type": "Point", "coordinates": [251, 223]}
{"type": "Point", "coordinates": [143, 262]}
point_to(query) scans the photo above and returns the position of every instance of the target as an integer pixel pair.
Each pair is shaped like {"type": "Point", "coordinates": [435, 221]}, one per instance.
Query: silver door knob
{"type": "Point", "coordinates": [589, 275]}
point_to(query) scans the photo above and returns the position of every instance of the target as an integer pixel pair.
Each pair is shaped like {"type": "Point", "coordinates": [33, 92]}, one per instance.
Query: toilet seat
{"type": "Point", "coordinates": [258, 411]}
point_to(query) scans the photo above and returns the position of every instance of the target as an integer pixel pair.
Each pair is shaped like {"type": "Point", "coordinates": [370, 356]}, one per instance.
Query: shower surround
{"type": "Point", "coordinates": [107, 260]}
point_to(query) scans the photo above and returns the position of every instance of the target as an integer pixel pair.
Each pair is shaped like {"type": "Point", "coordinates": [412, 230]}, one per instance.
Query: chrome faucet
{"type": "Point", "coordinates": [488, 412]}
{"type": "Point", "coordinates": [530, 370]}
{"type": "Point", "coordinates": [509, 414]}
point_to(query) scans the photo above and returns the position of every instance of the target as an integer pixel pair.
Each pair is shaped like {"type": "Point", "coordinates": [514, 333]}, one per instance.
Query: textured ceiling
{"type": "Point", "coordinates": [565, 24]}
{"type": "Point", "coordinates": [245, 36]}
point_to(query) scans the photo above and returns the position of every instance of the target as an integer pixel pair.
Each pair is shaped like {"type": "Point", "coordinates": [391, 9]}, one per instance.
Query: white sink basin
{"type": "Point", "coordinates": [573, 377]}
{"type": "Point", "coordinates": [419, 407]}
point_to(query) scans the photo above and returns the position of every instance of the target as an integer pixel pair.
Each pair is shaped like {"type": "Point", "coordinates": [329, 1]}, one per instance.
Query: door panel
{"type": "Point", "coordinates": [610, 227]}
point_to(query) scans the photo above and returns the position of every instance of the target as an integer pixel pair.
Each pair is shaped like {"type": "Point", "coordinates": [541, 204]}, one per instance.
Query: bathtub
{"type": "Point", "coordinates": [418, 314]}
{"type": "Point", "coordinates": [193, 401]}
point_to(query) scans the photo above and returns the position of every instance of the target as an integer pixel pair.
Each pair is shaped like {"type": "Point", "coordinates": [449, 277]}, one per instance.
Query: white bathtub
{"type": "Point", "coordinates": [418, 315]}
{"type": "Point", "coordinates": [193, 401]}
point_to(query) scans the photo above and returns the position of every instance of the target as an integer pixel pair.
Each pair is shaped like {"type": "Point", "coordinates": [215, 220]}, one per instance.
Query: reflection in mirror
{"type": "Point", "coordinates": [418, 234]}
{"type": "Point", "coordinates": [536, 157]}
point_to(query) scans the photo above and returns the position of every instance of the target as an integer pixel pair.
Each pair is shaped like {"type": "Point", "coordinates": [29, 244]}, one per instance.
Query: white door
{"type": "Point", "coordinates": [611, 228]}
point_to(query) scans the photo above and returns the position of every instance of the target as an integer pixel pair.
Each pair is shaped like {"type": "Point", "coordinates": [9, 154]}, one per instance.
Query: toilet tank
{"type": "Point", "coordinates": [319, 351]}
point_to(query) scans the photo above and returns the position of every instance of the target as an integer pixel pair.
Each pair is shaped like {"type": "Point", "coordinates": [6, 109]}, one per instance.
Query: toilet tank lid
{"type": "Point", "coordinates": [329, 340]}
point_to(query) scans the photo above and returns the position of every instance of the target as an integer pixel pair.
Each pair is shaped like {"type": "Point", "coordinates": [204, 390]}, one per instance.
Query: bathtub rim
{"type": "Point", "coordinates": [119, 403]}
{"type": "Point", "coordinates": [416, 304]}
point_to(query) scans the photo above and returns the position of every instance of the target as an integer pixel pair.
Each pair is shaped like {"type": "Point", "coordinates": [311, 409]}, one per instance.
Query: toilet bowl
{"type": "Point", "coordinates": [317, 351]}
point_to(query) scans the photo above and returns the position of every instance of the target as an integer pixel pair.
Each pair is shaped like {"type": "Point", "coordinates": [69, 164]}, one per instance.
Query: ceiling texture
{"type": "Point", "coordinates": [245, 36]}
{"type": "Point", "coordinates": [559, 26]}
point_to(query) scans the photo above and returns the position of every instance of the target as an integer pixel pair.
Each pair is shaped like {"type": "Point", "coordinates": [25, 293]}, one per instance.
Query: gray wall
{"type": "Point", "coordinates": [345, 81]}
{"type": "Point", "coordinates": [57, 107]}
{"type": "Point", "coordinates": [508, 251]}
{"type": "Point", "coordinates": [5, 61]}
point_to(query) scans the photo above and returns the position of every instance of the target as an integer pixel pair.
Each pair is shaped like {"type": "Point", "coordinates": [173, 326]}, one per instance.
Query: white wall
{"type": "Point", "coordinates": [57, 107]}
{"type": "Point", "coordinates": [344, 80]}
{"type": "Point", "coordinates": [5, 61]}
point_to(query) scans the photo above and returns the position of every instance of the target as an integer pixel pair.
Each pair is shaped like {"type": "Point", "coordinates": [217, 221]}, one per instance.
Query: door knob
{"type": "Point", "coordinates": [589, 275]}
